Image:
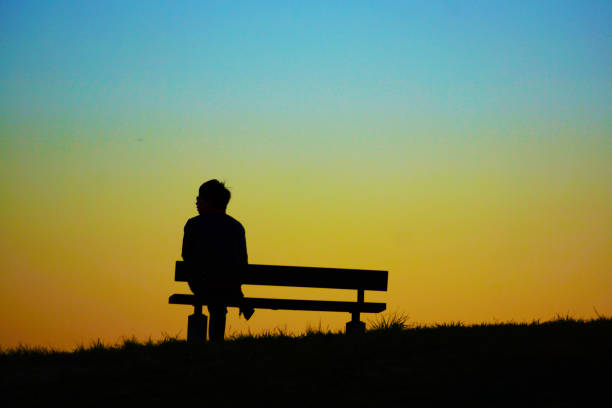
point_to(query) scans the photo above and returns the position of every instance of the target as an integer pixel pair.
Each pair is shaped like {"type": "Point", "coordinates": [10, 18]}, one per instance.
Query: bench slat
{"type": "Point", "coordinates": [302, 276]}
{"type": "Point", "coordinates": [289, 304]}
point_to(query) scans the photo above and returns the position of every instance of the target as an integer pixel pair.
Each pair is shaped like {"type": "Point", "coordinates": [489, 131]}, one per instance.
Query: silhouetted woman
{"type": "Point", "coordinates": [214, 244]}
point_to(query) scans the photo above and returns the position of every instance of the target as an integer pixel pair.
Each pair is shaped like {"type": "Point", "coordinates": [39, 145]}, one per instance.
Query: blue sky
{"type": "Point", "coordinates": [274, 57]}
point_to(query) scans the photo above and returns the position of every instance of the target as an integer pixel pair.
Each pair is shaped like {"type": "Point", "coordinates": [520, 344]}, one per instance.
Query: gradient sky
{"type": "Point", "coordinates": [465, 146]}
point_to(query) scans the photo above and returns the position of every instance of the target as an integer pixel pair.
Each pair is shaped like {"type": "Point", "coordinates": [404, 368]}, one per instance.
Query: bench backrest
{"type": "Point", "coordinates": [301, 276]}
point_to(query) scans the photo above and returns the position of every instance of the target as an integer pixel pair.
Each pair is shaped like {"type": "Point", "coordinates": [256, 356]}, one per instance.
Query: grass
{"type": "Point", "coordinates": [562, 362]}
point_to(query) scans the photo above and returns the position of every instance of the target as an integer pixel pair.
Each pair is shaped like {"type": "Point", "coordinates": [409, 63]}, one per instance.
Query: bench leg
{"type": "Point", "coordinates": [196, 326]}
{"type": "Point", "coordinates": [355, 326]}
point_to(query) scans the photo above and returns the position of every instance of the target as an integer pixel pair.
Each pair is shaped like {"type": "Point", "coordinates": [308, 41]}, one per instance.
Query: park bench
{"type": "Point", "coordinates": [295, 276]}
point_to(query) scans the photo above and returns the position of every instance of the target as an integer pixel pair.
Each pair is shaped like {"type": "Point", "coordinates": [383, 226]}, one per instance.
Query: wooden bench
{"type": "Point", "coordinates": [295, 276]}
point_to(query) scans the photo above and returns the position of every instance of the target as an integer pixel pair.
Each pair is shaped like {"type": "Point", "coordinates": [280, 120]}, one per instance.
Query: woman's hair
{"type": "Point", "coordinates": [215, 192]}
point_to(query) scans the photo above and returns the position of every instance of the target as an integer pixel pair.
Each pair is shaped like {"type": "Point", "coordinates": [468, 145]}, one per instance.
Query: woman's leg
{"type": "Point", "coordinates": [216, 327]}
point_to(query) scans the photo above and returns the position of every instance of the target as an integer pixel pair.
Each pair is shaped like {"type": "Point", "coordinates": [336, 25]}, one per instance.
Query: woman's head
{"type": "Point", "coordinates": [213, 196]}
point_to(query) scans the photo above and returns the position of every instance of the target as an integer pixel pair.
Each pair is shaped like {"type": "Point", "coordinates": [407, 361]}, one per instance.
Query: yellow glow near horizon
{"type": "Point", "coordinates": [90, 255]}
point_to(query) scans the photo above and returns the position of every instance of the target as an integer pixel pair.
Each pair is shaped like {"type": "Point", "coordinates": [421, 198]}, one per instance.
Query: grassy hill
{"type": "Point", "coordinates": [564, 362]}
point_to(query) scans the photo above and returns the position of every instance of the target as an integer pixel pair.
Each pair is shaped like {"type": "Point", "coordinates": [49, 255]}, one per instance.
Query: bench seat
{"type": "Point", "coordinates": [289, 304]}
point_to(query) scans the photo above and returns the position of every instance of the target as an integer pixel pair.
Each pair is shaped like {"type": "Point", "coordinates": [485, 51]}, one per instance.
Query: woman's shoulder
{"type": "Point", "coordinates": [214, 220]}
{"type": "Point", "coordinates": [234, 222]}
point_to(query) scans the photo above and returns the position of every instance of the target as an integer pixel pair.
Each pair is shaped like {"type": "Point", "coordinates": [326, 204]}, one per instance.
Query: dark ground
{"type": "Point", "coordinates": [560, 363]}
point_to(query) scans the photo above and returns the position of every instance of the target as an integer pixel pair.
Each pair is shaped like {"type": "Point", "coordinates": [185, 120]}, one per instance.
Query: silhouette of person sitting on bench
{"type": "Point", "coordinates": [215, 243]}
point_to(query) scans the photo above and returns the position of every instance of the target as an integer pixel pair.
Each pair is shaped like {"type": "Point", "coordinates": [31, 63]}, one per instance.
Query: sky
{"type": "Point", "coordinates": [464, 146]}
